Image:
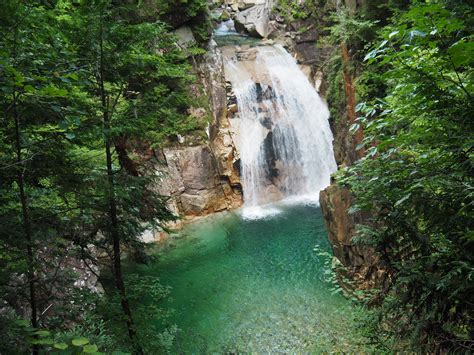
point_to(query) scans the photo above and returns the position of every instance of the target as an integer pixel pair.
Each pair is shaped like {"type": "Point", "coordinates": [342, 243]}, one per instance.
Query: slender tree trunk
{"type": "Point", "coordinates": [26, 222]}
{"type": "Point", "coordinates": [114, 224]}
{"type": "Point", "coordinates": [350, 91]}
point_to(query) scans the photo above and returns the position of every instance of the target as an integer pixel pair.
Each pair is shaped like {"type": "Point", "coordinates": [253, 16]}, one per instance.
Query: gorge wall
{"type": "Point", "coordinates": [200, 175]}
{"type": "Point", "coordinates": [203, 176]}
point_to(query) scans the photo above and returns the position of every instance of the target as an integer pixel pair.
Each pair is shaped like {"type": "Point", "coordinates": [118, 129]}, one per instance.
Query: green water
{"type": "Point", "coordinates": [255, 286]}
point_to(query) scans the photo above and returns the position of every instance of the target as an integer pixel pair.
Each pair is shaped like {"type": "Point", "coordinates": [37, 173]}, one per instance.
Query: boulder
{"type": "Point", "coordinates": [253, 21]}
{"type": "Point", "coordinates": [310, 35]}
{"type": "Point", "coordinates": [185, 37]}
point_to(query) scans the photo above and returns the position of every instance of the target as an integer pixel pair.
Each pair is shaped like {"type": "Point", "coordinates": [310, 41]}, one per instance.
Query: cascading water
{"type": "Point", "coordinates": [285, 138]}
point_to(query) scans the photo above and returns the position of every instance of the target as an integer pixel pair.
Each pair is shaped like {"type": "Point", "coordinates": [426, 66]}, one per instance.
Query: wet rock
{"type": "Point", "coordinates": [264, 92]}
{"type": "Point", "coordinates": [266, 122]}
{"type": "Point", "coordinates": [271, 170]}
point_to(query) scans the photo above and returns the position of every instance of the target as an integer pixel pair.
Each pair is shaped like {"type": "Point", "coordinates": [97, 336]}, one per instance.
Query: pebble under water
{"type": "Point", "coordinates": [255, 285]}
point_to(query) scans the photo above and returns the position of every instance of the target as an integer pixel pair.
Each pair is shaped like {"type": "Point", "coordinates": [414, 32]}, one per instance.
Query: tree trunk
{"type": "Point", "coordinates": [350, 92]}
{"type": "Point", "coordinates": [26, 222]}
{"type": "Point", "coordinates": [114, 225]}
{"type": "Point", "coordinates": [126, 162]}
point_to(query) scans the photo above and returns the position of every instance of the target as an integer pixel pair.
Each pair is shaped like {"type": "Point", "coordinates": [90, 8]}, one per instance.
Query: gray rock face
{"type": "Point", "coordinates": [211, 69]}
{"type": "Point", "coordinates": [185, 37]}
{"type": "Point", "coordinates": [203, 178]}
{"type": "Point", "coordinates": [253, 21]}
{"type": "Point", "coordinates": [192, 181]}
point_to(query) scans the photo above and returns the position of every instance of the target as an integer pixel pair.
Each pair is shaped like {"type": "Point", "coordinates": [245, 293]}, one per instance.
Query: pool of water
{"type": "Point", "coordinates": [244, 284]}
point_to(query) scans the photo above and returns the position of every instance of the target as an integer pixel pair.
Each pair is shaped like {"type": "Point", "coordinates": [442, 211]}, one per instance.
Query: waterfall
{"type": "Point", "coordinates": [285, 139]}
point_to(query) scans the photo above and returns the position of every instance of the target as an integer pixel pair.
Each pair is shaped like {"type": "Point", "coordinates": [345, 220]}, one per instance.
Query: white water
{"type": "Point", "coordinates": [285, 102]}
{"type": "Point", "coordinates": [226, 28]}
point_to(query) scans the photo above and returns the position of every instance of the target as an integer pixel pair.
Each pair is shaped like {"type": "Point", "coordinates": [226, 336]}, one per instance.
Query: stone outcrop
{"type": "Point", "coordinates": [192, 181]}
{"type": "Point", "coordinates": [360, 263]}
{"type": "Point", "coordinates": [253, 21]}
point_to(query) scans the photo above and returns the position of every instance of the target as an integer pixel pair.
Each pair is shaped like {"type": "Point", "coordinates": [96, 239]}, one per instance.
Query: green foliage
{"type": "Point", "coordinates": [146, 296]}
{"type": "Point", "coordinates": [335, 91]}
{"type": "Point", "coordinates": [293, 10]}
{"type": "Point", "coordinates": [54, 58]}
{"type": "Point", "coordinates": [348, 27]}
{"type": "Point", "coordinates": [46, 343]}
{"type": "Point", "coordinates": [417, 176]}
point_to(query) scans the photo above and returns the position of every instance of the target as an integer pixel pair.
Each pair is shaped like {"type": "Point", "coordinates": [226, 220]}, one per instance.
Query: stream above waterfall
{"type": "Point", "coordinates": [240, 285]}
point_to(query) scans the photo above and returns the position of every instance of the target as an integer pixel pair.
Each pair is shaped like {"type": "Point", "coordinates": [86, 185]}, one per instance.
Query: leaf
{"type": "Point", "coordinates": [42, 333]}
{"type": "Point", "coordinates": [47, 341]}
{"type": "Point", "coordinates": [29, 88]}
{"type": "Point", "coordinates": [372, 151]}
{"type": "Point", "coordinates": [370, 55]}
{"type": "Point", "coordinates": [22, 323]}
{"type": "Point", "coordinates": [416, 33]}
{"type": "Point", "coordinates": [91, 348]}
{"type": "Point", "coordinates": [80, 341]}
{"type": "Point", "coordinates": [383, 44]}
{"type": "Point", "coordinates": [462, 53]}
{"type": "Point", "coordinates": [60, 346]}
{"type": "Point", "coordinates": [394, 33]}
{"type": "Point", "coordinates": [70, 135]}
{"type": "Point", "coordinates": [353, 209]}
{"type": "Point", "coordinates": [359, 146]}
{"type": "Point", "coordinates": [360, 107]}
{"type": "Point", "coordinates": [354, 127]}
{"type": "Point", "coordinates": [403, 199]}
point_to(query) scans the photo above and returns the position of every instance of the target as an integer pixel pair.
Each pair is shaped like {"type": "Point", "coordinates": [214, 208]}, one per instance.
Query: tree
{"type": "Point", "coordinates": [137, 96]}
{"type": "Point", "coordinates": [34, 164]}
{"type": "Point", "coordinates": [416, 179]}
{"type": "Point", "coordinates": [87, 90]}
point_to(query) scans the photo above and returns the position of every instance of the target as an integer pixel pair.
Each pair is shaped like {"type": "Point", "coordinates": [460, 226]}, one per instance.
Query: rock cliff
{"type": "Point", "coordinates": [197, 175]}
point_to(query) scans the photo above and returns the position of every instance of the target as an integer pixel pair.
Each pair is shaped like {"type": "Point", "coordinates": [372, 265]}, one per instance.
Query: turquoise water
{"type": "Point", "coordinates": [243, 285]}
